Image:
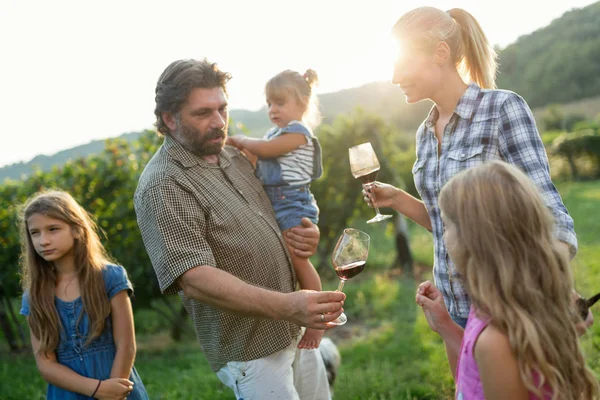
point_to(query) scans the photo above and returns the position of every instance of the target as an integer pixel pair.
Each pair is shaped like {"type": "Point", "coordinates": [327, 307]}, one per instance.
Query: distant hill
{"type": "Point", "coordinates": [46, 162]}
{"type": "Point", "coordinates": [559, 63]}
{"type": "Point", "coordinates": [381, 98]}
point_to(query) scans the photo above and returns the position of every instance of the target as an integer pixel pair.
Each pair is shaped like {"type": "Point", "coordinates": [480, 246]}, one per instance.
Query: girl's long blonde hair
{"type": "Point", "coordinates": [39, 277]}
{"type": "Point", "coordinates": [473, 56]}
{"type": "Point", "coordinates": [513, 270]}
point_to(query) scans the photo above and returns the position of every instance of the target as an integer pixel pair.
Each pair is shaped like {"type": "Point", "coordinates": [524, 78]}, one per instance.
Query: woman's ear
{"type": "Point", "coordinates": [442, 52]}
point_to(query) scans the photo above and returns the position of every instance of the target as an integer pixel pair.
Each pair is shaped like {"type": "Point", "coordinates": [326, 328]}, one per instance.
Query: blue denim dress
{"type": "Point", "coordinates": [94, 360]}
{"type": "Point", "coordinates": [286, 179]}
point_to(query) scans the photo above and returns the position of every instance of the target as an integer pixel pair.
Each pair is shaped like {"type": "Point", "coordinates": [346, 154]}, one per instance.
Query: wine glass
{"type": "Point", "coordinates": [365, 166]}
{"type": "Point", "coordinates": [349, 259]}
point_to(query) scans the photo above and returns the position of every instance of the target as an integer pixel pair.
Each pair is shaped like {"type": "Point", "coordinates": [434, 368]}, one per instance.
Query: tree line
{"type": "Point", "coordinates": [104, 184]}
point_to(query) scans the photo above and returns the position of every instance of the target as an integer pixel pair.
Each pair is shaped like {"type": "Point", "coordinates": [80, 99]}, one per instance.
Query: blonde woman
{"type": "Point", "coordinates": [520, 341]}
{"type": "Point", "coordinates": [446, 57]}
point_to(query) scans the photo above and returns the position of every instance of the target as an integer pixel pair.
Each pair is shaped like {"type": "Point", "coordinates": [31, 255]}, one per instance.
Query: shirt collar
{"type": "Point", "coordinates": [466, 105]}
{"type": "Point", "coordinates": [464, 109]}
{"type": "Point", "coordinates": [188, 159]}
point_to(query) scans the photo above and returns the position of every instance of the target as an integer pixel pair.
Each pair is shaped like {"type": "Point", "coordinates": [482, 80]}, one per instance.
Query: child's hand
{"type": "Point", "coordinates": [431, 301]}
{"type": "Point", "coordinates": [114, 388]}
{"type": "Point", "coordinates": [236, 141]}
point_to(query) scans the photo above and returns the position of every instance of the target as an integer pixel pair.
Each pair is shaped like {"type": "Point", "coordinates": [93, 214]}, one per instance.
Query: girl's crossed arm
{"type": "Point", "coordinates": [124, 335]}
{"type": "Point", "coordinates": [64, 377]}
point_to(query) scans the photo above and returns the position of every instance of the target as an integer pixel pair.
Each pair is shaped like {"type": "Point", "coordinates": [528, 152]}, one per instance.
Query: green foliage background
{"type": "Point", "coordinates": [387, 348]}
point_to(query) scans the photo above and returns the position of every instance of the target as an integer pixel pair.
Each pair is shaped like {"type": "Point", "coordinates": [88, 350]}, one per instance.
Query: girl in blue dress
{"type": "Point", "coordinates": [288, 159]}
{"type": "Point", "coordinates": [77, 304]}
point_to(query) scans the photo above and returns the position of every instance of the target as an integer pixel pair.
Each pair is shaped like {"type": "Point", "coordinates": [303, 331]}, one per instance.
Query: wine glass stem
{"type": "Point", "coordinates": [373, 197]}
{"type": "Point", "coordinates": [341, 285]}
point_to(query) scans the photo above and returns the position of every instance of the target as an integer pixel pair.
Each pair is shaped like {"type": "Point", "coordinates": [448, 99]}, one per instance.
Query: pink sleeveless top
{"type": "Point", "coordinates": [468, 381]}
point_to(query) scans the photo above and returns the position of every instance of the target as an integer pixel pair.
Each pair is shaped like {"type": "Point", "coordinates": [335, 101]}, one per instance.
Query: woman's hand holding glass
{"type": "Point", "coordinates": [385, 195]}
{"type": "Point", "coordinates": [365, 167]}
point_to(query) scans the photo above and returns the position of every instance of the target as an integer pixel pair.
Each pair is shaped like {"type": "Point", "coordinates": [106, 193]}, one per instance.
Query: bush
{"type": "Point", "coordinates": [555, 120]}
{"type": "Point", "coordinates": [580, 149]}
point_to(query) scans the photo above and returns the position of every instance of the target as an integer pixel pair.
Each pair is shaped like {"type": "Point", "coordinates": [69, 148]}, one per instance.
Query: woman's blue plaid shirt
{"type": "Point", "coordinates": [486, 125]}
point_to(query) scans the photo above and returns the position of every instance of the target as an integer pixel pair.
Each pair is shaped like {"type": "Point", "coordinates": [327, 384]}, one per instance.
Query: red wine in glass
{"type": "Point", "coordinates": [368, 177]}
{"type": "Point", "coordinates": [349, 259]}
{"type": "Point", "coordinates": [346, 272]}
{"type": "Point", "coordinates": [365, 166]}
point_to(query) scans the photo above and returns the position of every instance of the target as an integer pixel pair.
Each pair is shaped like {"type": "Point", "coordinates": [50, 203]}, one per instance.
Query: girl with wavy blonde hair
{"type": "Point", "coordinates": [77, 303]}
{"type": "Point", "coordinates": [520, 340]}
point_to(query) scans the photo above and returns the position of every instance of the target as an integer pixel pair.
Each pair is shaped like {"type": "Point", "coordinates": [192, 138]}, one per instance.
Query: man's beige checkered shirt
{"type": "Point", "coordinates": [193, 213]}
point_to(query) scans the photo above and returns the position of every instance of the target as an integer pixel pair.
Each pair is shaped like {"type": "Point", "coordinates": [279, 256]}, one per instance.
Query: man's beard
{"type": "Point", "coordinates": [197, 143]}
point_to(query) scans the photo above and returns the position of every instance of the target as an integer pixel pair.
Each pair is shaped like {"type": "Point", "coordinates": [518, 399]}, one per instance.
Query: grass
{"type": "Point", "coordinates": [388, 351]}
{"type": "Point", "coordinates": [582, 199]}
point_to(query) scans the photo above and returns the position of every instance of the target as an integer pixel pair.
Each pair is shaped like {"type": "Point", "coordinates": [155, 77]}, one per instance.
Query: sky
{"type": "Point", "coordinates": [76, 71]}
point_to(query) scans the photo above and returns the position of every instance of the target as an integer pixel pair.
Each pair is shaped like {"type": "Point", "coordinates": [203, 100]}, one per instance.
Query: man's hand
{"type": "Point", "coordinates": [304, 239]}
{"type": "Point", "coordinates": [314, 309]}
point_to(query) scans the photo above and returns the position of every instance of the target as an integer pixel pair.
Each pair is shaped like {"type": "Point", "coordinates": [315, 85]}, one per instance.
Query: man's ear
{"type": "Point", "coordinates": [169, 120]}
{"type": "Point", "coordinates": [442, 52]}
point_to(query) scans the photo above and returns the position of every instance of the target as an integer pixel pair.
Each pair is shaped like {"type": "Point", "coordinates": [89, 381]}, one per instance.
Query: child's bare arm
{"type": "Point", "coordinates": [307, 275]}
{"type": "Point", "coordinates": [124, 335]}
{"type": "Point", "coordinates": [270, 148]}
{"type": "Point", "coordinates": [431, 301]}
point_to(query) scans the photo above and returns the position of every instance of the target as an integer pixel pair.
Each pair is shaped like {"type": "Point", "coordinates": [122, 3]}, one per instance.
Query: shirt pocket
{"type": "Point", "coordinates": [461, 159]}
{"type": "Point", "coordinates": [465, 154]}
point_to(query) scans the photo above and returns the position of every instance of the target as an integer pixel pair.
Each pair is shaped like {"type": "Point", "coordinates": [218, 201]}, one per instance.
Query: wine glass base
{"type": "Point", "coordinates": [341, 320]}
{"type": "Point", "coordinates": [379, 217]}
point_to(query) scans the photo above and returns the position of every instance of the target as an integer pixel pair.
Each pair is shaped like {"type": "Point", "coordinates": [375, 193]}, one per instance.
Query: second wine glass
{"type": "Point", "coordinates": [349, 259]}
{"type": "Point", "coordinates": [365, 167]}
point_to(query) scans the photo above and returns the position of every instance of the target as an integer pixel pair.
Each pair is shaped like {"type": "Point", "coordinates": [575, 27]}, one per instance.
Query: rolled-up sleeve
{"type": "Point", "coordinates": [173, 228]}
{"type": "Point", "coordinates": [521, 145]}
